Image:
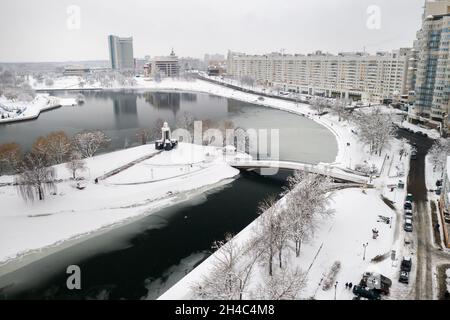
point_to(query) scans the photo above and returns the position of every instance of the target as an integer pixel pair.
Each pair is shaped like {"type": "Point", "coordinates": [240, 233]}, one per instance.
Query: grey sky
{"type": "Point", "coordinates": [35, 30]}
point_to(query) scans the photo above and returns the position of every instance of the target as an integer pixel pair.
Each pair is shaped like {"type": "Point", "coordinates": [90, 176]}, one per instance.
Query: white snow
{"type": "Point", "coordinates": [432, 133]}
{"type": "Point", "coordinates": [356, 213]}
{"type": "Point", "coordinates": [109, 202]}
{"type": "Point", "coordinates": [11, 111]}
{"type": "Point", "coordinates": [447, 273]}
{"type": "Point", "coordinates": [71, 213]}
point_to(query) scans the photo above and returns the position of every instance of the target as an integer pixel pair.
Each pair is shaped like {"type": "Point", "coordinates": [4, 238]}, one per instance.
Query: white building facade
{"type": "Point", "coordinates": [354, 75]}
{"type": "Point", "coordinates": [168, 66]}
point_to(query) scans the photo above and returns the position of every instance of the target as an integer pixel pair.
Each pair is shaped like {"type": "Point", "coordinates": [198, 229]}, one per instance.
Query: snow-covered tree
{"type": "Point", "coordinates": [89, 142]}
{"type": "Point", "coordinates": [248, 80]}
{"type": "Point", "coordinates": [35, 178]}
{"type": "Point", "coordinates": [49, 82]}
{"type": "Point", "coordinates": [439, 152]}
{"type": "Point", "coordinates": [319, 104]}
{"type": "Point", "coordinates": [339, 108]}
{"type": "Point", "coordinates": [265, 233]}
{"type": "Point", "coordinates": [76, 163]}
{"type": "Point", "coordinates": [375, 128]}
{"type": "Point", "coordinates": [230, 275]}
{"type": "Point", "coordinates": [306, 205]}
{"type": "Point", "coordinates": [285, 284]}
{"type": "Point", "coordinates": [186, 121]}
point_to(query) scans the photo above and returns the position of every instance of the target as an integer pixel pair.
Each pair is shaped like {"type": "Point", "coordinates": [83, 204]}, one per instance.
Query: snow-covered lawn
{"type": "Point", "coordinates": [70, 212]}
{"type": "Point", "coordinates": [11, 111]}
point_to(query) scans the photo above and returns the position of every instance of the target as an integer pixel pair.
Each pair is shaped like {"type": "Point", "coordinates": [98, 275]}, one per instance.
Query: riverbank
{"type": "Point", "coordinates": [334, 243]}
{"type": "Point", "coordinates": [69, 214]}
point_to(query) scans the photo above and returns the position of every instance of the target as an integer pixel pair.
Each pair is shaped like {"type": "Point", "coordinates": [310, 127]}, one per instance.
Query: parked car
{"type": "Point", "coordinates": [408, 205]}
{"type": "Point", "coordinates": [447, 217]}
{"type": "Point", "coordinates": [409, 197]}
{"type": "Point", "coordinates": [413, 155]}
{"type": "Point", "coordinates": [408, 214]}
{"type": "Point", "coordinates": [366, 293]}
{"type": "Point", "coordinates": [438, 191]}
{"type": "Point", "coordinates": [376, 282]}
{"type": "Point", "coordinates": [406, 264]}
{"type": "Point", "coordinates": [439, 183]}
{"type": "Point", "coordinates": [404, 277]}
{"type": "Point", "coordinates": [408, 226]}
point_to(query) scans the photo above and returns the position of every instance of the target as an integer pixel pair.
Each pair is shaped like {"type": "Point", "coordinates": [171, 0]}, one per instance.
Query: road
{"type": "Point", "coordinates": [426, 251]}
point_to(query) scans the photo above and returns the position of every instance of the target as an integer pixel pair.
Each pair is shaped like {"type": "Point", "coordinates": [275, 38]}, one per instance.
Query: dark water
{"type": "Point", "coordinates": [145, 258]}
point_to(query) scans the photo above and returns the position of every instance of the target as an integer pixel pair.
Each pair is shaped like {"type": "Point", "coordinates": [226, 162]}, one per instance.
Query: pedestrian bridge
{"type": "Point", "coordinates": [322, 169]}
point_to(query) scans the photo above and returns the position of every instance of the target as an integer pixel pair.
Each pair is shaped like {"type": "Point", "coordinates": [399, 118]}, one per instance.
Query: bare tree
{"type": "Point", "coordinates": [186, 121]}
{"type": "Point", "coordinates": [143, 135]}
{"type": "Point", "coordinates": [76, 163]}
{"type": "Point", "coordinates": [230, 275]}
{"type": "Point", "coordinates": [35, 177]}
{"type": "Point", "coordinates": [10, 156]}
{"type": "Point", "coordinates": [285, 284]}
{"type": "Point", "coordinates": [319, 104]}
{"type": "Point", "coordinates": [439, 152]}
{"type": "Point", "coordinates": [307, 204]}
{"type": "Point", "coordinates": [156, 129]}
{"type": "Point", "coordinates": [58, 144]}
{"type": "Point", "coordinates": [49, 82]}
{"type": "Point", "coordinates": [54, 147]}
{"type": "Point", "coordinates": [87, 143]}
{"type": "Point", "coordinates": [339, 108]}
{"type": "Point", "coordinates": [266, 232]}
{"type": "Point", "coordinates": [248, 80]}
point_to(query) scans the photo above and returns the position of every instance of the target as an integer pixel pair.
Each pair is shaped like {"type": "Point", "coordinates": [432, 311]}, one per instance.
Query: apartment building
{"type": "Point", "coordinates": [432, 90]}
{"type": "Point", "coordinates": [355, 75]}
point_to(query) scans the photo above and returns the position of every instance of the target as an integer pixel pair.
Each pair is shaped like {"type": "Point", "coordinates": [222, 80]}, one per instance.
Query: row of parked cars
{"type": "Point", "coordinates": [420, 133]}
{"type": "Point", "coordinates": [408, 213]}
{"type": "Point", "coordinates": [406, 265]}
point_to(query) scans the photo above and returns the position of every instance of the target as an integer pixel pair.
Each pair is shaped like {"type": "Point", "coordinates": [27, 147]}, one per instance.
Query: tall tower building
{"type": "Point", "coordinates": [121, 53]}
{"type": "Point", "coordinates": [432, 87]}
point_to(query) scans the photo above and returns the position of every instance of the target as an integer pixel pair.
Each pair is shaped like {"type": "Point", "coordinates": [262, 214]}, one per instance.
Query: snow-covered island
{"type": "Point", "coordinates": [13, 110]}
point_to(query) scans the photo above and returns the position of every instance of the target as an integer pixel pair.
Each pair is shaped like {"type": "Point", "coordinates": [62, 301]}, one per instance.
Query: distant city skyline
{"type": "Point", "coordinates": [58, 31]}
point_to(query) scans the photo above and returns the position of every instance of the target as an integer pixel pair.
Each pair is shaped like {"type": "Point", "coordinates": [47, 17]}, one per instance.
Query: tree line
{"type": "Point", "coordinates": [276, 239]}
{"type": "Point", "coordinates": [34, 171]}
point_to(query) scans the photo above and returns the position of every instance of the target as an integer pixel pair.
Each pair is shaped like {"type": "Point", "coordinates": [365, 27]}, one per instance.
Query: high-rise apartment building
{"type": "Point", "coordinates": [355, 75]}
{"type": "Point", "coordinates": [432, 87]}
{"type": "Point", "coordinates": [121, 53]}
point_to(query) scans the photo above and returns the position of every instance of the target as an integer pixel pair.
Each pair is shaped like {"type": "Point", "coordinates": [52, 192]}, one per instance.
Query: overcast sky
{"type": "Point", "coordinates": [37, 30]}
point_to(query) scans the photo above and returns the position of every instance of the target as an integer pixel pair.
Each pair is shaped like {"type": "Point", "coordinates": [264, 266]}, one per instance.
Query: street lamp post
{"type": "Point", "coordinates": [335, 289]}
{"type": "Point", "coordinates": [365, 246]}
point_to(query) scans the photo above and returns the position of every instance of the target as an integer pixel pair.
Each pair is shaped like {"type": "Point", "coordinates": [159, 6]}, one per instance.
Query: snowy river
{"type": "Point", "coordinates": [144, 258]}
